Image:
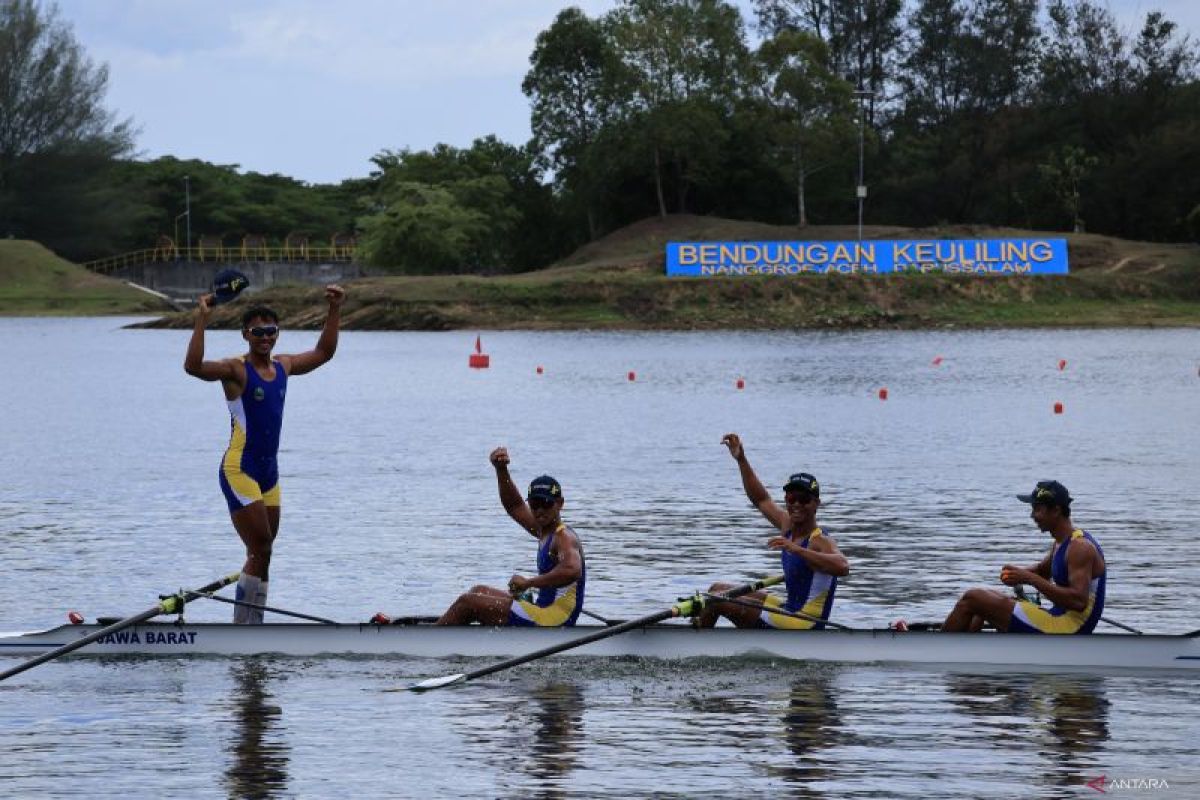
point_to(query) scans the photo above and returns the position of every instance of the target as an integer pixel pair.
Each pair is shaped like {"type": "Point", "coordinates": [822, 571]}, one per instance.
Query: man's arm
{"type": "Point", "coordinates": [193, 361]}
{"type": "Point", "coordinates": [570, 563]}
{"type": "Point", "coordinates": [510, 495]}
{"type": "Point", "coordinates": [1074, 597]}
{"type": "Point", "coordinates": [753, 486]}
{"type": "Point", "coordinates": [326, 346]}
{"type": "Point", "coordinates": [822, 554]}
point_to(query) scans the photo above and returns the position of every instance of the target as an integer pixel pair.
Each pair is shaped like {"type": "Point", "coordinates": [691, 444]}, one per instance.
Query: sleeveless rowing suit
{"type": "Point", "coordinates": [249, 470]}
{"type": "Point", "coordinates": [809, 591]}
{"type": "Point", "coordinates": [553, 606]}
{"type": "Point", "coordinates": [1029, 617]}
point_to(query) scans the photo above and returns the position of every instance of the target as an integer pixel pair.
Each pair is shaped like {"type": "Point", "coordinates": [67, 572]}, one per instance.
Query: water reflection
{"type": "Point", "coordinates": [258, 754]}
{"type": "Point", "coordinates": [810, 724]}
{"type": "Point", "coordinates": [1065, 717]}
{"type": "Point", "coordinates": [557, 713]}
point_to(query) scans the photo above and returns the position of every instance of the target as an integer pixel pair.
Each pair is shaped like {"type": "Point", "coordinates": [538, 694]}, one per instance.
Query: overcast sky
{"type": "Point", "coordinates": [314, 88]}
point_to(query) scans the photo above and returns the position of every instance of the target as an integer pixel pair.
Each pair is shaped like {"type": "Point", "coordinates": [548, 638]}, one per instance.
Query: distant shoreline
{"type": "Point", "coordinates": [618, 283]}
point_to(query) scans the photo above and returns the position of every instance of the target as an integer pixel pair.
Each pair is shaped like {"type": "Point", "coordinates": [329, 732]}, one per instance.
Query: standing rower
{"type": "Point", "coordinates": [1072, 575]}
{"type": "Point", "coordinates": [812, 562]}
{"type": "Point", "coordinates": [561, 569]}
{"type": "Point", "coordinates": [255, 385]}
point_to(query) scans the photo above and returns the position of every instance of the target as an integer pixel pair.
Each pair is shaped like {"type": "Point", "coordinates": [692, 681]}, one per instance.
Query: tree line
{"type": "Point", "coordinates": [1021, 113]}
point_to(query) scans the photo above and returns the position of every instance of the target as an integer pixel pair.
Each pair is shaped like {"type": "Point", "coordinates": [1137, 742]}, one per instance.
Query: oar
{"type": "Point", "coordinates": [1116, 624]}
{"type": "Point", "coordinates": [272, 609]}
{"type": "Point", "coordinates": [683, 608]}
{"type": "Point", "coordinates": [167, 605]}
{"type": "Point", "coordinates": [781, 612]}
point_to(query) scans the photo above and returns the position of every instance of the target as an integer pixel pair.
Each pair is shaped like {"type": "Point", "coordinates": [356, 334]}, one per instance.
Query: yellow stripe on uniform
{"type": "Point", "coordinates": [549, 616]}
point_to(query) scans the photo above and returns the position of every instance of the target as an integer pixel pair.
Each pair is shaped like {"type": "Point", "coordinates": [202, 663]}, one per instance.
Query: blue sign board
{"type": "Point", "coordinates": [872, 257]}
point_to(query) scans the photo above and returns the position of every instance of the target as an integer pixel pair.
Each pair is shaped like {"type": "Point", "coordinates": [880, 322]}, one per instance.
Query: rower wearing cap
{"type": "Point", "coordinates": [1072, 576]}
{"type": "Point", "coordinates": [812, 562]}
{"type": "Point", "coordinates": [562, 573]}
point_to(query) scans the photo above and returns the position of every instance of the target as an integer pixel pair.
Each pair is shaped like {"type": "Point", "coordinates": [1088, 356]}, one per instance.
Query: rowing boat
{"type": "Point", "coordinates": [1095, 652]}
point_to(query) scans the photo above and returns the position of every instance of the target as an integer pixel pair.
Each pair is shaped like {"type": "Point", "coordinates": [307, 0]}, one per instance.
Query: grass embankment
{"type": "Point", "coordinates": [35, 282]}
{"type": "Point", "coordinates": [618, 282]}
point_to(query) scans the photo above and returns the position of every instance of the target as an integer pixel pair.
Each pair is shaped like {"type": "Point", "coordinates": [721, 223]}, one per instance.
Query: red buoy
{"type": "Point", "coordinates": [479, 359]}
{"type": "Point", "coordinates": [937, 361]}
{"type": "Point", "coordinates": [883, 393]}
{"type": "Point", "coordinates": [1062, 364]}
{"type": "Point", "coordinates": [632, 375]}
{"type": "Point", "coordinates": [75, 617]}
{"type": "Point", "coordinates": [539, 369]}
{"type": "Point", "coordinates": [1058, 408]}
{"type": "Point", "coordinates": [741, 383]}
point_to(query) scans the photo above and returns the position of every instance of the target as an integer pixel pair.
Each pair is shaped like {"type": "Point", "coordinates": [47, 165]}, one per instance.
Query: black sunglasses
{"type": "Point", "coordinates": [797, 499]}
{"type": "Point", "coordinates": [264, 330]}
{"type": "Point", "coordinates": [540, 503]}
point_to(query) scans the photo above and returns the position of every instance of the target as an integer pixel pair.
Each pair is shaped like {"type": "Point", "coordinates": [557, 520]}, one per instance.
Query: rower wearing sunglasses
{"type": "Point", "coordinates": [255, 385]}
{"type": "Point", "coordinates": [561, 571]}
{"type": "Point", "coordinates": [811, 560]}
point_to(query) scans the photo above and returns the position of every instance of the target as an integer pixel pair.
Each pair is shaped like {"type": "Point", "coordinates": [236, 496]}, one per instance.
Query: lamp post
{"type": "Point", "coordinates": [187, 211]}
{"type": "Point", "coordinates": [861, 95]}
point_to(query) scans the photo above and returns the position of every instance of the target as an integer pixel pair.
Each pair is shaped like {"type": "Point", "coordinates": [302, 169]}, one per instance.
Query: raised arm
{"type": "Point", "coordinates": [193, 362]}
{"type": "Point", "coordinates": [326, 346]}
{"type": "Point", "coordinates": [753, 486]}
{"type": "Point", "coordinates": [510, 495]}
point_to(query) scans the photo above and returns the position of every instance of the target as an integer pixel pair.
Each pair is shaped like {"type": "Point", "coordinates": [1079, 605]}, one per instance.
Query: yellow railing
{"type": "Point", "coordinates": [222, 255]}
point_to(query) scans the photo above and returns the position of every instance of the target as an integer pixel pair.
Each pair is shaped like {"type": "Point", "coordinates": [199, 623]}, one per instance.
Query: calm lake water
{"type": "Point", "coordinates": [108, 497]}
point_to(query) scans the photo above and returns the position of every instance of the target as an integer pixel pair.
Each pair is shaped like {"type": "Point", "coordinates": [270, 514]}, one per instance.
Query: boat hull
{"type": "Point", "coordinates": [1088, 653]}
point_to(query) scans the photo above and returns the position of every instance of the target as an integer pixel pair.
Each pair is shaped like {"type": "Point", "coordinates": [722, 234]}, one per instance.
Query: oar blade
{"type": "Point", "coordinates": [432, 683]}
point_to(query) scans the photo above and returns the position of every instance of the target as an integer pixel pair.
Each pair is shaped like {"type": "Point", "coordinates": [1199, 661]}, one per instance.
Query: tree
{"type": "Point", "coordinates": [684, 65]}
{"type": "Point", "coordinates": [571, 85]}
{"type": "Point", "coordinates": [57, 140]}
{"type": "Point", "coordinates": [1065, 171]}
{"type": "Point", "coordinates": [811, 107]}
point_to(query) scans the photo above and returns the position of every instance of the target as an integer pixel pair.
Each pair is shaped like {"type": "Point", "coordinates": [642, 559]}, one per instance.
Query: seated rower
{"type": "Point", "coordinates": [561, 569]}
{"type": "Point", "coordinates": [1072, 575]}
{"type": "Point", "coordinates": [812, 562]}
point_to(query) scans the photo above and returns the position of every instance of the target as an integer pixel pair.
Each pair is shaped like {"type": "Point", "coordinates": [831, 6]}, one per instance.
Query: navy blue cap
{"type": "Point", "coordinates": [545, 488]}
{"type": "Point", "coordinates": [803, 482]}
{"type": "Point", "coordinates": [1050, 493]}
{"type": "Point", "coordinates": [228, 284]}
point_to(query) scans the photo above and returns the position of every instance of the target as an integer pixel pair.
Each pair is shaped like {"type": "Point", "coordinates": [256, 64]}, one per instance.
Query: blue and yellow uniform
{"type": "Point", "coordinates": [1029, 617]}
{"type": "Point", "coordinates": [809, 592]}
{"type": "Point", "coordinates": [249, 470]}
{"type": "Point", "coordinates": [553, 606]}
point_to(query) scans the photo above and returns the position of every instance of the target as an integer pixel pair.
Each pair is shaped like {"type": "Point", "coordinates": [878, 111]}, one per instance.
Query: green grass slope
{"type": "Point", "coordinates": [36, 282]}
{"type": "Point", "coordinates": [619, 282]}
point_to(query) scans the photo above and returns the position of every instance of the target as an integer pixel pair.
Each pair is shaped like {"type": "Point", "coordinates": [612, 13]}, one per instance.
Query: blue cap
{"type": "Point", "coordinates": [1049, 493]}
{"type": "Point", "coordinates": [228, 284]}
{"type": "Point", "coordinates": [545, 488]}
{"type": "Point", "coordinates": [803, 482]}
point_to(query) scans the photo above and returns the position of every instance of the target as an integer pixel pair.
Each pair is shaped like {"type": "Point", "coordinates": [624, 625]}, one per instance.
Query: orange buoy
{"type": "Point", "coordinates": [539, 369]}
{"type": "Point", "coordinates": [937, 361]}
{"type": "Point", "coordinates": [75, 617]}
{"type": "Point", "coordinates": [1062, 364]}
{"type": "Point", "coordinates": [741, 383]}
{"type": "Point", "coordinates": [1058, 408]}
{"type": "Point", "coordinates": [479, 359]}
{"type": "Point", "coordinates": [632, 375]}
{"type": "Point", "coordinates": [883, 393]}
